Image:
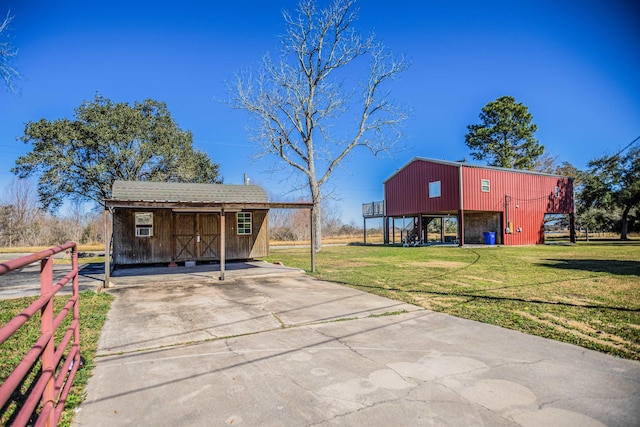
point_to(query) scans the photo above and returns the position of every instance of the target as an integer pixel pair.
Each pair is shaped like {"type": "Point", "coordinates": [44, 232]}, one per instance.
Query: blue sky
{"type": "Point", "coordinates": [574, 64]}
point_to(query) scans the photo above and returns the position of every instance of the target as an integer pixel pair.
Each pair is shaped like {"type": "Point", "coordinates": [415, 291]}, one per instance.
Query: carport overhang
{"type": "Point", "coordinates": [213, 206]}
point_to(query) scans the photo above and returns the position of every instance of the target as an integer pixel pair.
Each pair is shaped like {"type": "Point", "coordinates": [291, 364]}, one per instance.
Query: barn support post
{"type": "Point", "coordinates": [222, 243]}
{"type": "Point", "coordinates": [385, 230]}
{"type": "Point", "coordinates": [393, 230]}
{"type": "Point", "coordinates": [108, 233]}
{"type": "Point", "coordinates": [572, 227]}
{"type": "Point", "coordinates": [443, 227]}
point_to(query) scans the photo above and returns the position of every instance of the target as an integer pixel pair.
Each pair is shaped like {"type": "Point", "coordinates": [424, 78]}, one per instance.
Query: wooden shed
{"type": "Point", "coordinates": [511, 204]}
{"type": "Point", "coordinates": [164, 222]}
{"type": "Point", "coordinates": [160, 222]}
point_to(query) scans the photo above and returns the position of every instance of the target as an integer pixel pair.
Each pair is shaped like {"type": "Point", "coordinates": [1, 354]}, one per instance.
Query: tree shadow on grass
{"type": "Point", "coordinates": [490, 298]}
{"type": "Point", "coordinates": [610, 242]}
{"type": "Point", "coordinates": [627, 268]}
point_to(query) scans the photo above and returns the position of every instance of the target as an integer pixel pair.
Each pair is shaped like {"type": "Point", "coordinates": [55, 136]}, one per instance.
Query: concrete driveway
{"type": "Point", "coordinates": [26, 281]}
{"type": "Point", "coordinates": [285, 349]}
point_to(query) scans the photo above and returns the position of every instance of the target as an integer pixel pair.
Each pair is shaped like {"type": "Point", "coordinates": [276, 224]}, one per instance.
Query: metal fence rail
{"type": "Point", "coordinates": [51, 387]}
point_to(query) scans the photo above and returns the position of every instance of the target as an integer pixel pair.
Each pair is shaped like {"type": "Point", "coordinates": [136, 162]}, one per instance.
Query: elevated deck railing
{"type": "Point", "coordinates": [373, 209]}
{"type": "Point", "coordinates": [53, 382]}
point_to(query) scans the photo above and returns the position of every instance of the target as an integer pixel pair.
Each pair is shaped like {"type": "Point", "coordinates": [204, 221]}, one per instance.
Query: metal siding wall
{"type": "Point", "coordinates": [530, 198]}
{"type": "Point", "coordinates": [407, 193]}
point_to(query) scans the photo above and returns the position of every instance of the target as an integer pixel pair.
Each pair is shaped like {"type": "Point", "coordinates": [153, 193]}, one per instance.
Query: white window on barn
{"type": "Point", "coordinates": [485, 185]}
{"type": "Point", "coordinates": [434, 189]}
{"type": "Point", "coordinates": [144, 224]}
{"type": "Point", "coordinates": [244, 223]}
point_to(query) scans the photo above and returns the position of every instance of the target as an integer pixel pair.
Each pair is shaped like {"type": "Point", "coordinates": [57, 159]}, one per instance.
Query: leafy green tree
{"type": "Point", "coordinates": [567, 169]}
{"type": "Point", "coordinates": [505, 138]}
{"type": "Point", "coordinates": [106, 141]}
{"type": "Point", "coordinates": [325, 98]}
{"type": "Point", "coordinates": [597, 220]}
{"type": "Point", "coordinates": [614, 182]}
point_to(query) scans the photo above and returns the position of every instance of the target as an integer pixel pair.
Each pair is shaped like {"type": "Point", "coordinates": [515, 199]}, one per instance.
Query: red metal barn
{"type": "Point", "coordinates": [482, 199]}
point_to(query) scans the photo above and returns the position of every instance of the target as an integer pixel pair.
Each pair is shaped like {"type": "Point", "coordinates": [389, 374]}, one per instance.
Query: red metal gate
{"type": "Point", "coordinates": [52, 385]}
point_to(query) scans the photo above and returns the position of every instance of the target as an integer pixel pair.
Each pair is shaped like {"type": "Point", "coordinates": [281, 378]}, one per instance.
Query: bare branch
{"type": "Point", "coordinates": [300, 100]}
{"type": "Point", "coordinates": [7, 54]}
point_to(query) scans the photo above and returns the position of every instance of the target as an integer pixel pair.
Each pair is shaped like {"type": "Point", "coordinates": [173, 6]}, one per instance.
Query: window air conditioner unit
{"type": "Point", "coordinates": [144, 232]}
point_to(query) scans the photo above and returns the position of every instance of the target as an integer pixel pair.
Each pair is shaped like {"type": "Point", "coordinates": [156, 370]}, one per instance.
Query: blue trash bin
{"type": "Point", "coordinates": [489, 237]}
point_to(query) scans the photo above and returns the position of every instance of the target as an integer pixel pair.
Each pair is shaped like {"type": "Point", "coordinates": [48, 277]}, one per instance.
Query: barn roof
{"type": "Point", "coordinates": [469, 165]}
{"type": "Point", "coordinates": [174, 192]}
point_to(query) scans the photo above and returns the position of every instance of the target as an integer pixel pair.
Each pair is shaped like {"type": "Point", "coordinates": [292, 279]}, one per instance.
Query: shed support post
{"type": "Point", "coordinates": [108, 232]}
{"type": "Point", "coordinates": [172, 232]}
{"type": "Point", "coordinates": [222, 243]}
{"type": "Point", "coordinates": [572, 227]}
{"type": "Point", "coordinates": [313, 251]}
{"type": "Point", "coordinates": [442, 229]}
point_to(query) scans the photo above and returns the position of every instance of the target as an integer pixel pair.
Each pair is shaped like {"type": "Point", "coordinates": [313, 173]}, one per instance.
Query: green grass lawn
{"type": "Point", "coordinates": [586, 294]}
{"type": "Point", "coordinates": [93, 313]}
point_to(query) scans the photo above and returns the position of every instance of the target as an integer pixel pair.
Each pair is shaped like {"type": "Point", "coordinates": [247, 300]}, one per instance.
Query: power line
{"type": "Point", "coordinates": [627, 146]}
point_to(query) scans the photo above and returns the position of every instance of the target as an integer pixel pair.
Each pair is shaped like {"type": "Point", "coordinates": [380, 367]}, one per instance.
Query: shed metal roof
{"type": "Point", "coordinates": [175, 192]}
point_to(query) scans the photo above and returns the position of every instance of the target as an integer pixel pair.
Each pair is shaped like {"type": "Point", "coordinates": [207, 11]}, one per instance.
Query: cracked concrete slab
{"type": "Point", "coordinates": [292, 350]}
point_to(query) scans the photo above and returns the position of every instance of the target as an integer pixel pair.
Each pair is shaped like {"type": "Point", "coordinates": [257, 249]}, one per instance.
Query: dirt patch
{"type": "Point", "coordinates": [435, 264]}
{"type": "Point", "coordinates": [588, 329]}
{"type": "Point", "coordinates": [351, 264]}
{"type": "Point", "coordinates": [578, 300]}
{"type": "Point", "coordinates": [483, 279]}
{"type": "Point", "coordinates": [580, 330]}
{"type": "Point", "coordinates": [435, 302]}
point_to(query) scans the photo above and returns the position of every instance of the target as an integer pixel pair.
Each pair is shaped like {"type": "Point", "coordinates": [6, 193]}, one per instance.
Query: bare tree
{"type": "Point", "coordinates": [94, 228]}
{"type": "Point", "coordinates": [76, 217]}
{"type": "Point", "coordinates": [7, 53]}
{"type": "Point", "coordinates": [22, 219]}
{"type": "Point", "coordinates": [546, 163]}
{"type": "Point", "coordinates": [309, 109]}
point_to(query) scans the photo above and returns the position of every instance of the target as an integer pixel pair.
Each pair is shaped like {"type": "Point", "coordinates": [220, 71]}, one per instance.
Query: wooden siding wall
{"type": "Point", "coordinates": [168, 227]}
{"type": "Point", "coordinates": [129, 249]}
{"type": "Point", "coordinates": [244, 246]}
{"type": "Point", "coordinates": [407, 192]}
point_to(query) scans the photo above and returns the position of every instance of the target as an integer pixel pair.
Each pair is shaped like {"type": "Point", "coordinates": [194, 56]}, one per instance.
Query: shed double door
{"type": "Point", "coordinates": [196, 236]}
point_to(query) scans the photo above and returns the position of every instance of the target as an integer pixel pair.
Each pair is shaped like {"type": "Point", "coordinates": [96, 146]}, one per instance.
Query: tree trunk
{"type": "Point", "coordinates": [316, 219]}
{"type": "Point", "coordinates": [624, 223]}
